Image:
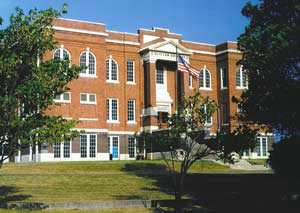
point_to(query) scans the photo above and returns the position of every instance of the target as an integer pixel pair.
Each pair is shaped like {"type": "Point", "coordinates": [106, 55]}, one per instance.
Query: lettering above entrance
{"type": "Point", "coordinates": [165, 50]}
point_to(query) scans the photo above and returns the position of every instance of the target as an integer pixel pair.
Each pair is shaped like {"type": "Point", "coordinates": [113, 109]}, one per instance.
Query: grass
{"type": "Point", "coordinates": [139, 210]}
{"type": "Point", "coordinates": [257, 161]}
{"type": "Point", "coordinates": [90, 181]}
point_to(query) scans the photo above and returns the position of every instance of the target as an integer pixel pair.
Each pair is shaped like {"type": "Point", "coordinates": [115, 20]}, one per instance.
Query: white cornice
{"type": "Point", "coordinates": [77, 20]}
{"type": "Point", "coordinates": [215, 53]}
{"type": "Point", "coordinates": [123, 42]}
{"type": "Point", "coordinates": [113, 31]}
{"type": "Point", "coordinates": [201, 43]}
{"type": "Point", "coordinates": [66, 29]}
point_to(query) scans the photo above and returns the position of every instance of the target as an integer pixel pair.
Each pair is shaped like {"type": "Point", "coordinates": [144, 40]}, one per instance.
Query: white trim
{"type": "Point", "coordinates": [111, 146]}
{"type": "Point", "coordinates": [113, 31]}
{"type": "Point", "coordinates": [123, 42]}
{"type": "Point", "coordinates": [109, 80]}
{"type": "Point", "coordinates": [215, 53]}
{"type": "Point", "coordinates": [83, 21]}
{"type": "Point", "coordinates": [87, 62]}
{"type": "Point", "coordinates": [204, 79]}
{"type": "Point", "coordinates": [121, 132]}
{"type": "Point", "coordinates": [91, 130]}
{"type": "Point", "coordinates": [61, 100]}
{"type": "Point", "coordinates": [109, 120]}
{"type": "Point", "coordinates": [134, 112]}
{"type": "Point", "coordinates": [201, 43]}
{"type": "Point", "coordinates": [88, 98]}
{"type": "Point", "coordinates": [88, 119]}
{"type": "Point", "coordinates": [221, 78]}
{"type": "Point", "coordinates": [79, 31]}
{"type": "Point", "coordinates": [133, 71]}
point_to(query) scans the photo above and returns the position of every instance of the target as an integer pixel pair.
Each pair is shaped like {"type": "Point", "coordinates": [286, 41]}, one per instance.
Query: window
{"type": "Point", "coordinates": [208, 118]}
{"type": "Point", "coordinates": [112, 110]}
{"type": "Point", "coordinates": [67, 148]}
{"type": "Point", "coordinates": [88, 60]}
{"type": "Point", "coordinates": [262, 146]}
{"type": "Point", "coordinates": [87, 98]}
{"type": "Point", "coordinates": [63, 98]}
{"type": "Point", "coordinates": [92, 146]}
{"type": "Point", "coordinates": [131, 110]}
{"type": "Point", "coordinates": [130, 71]}
{"type": "Point", "coordinates": [111, 71]}
{"type": "Point", "coordinates": [131, 147]}
{"type": "Point", "coordinates": [56, 150]}
{"type": "Point", "coordinates": [61, 53]}
{"type": "Point", "coordinates": [205, 79]}
{"type": "Point", "coordinates": [224, 78]}
{"type": "Point", "coordinates": [159, 75]}
{"type": "Point", "coordinates": [241, 78]}
{"type": "Point", "coordinates": [83, 146]}
{"type": "Point", "coordinates": [190, 81]}
{"type": "Point", "coordinates": [88, 145]}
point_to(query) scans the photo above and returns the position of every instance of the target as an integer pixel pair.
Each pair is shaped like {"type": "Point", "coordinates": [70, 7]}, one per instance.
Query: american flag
{"type": "Point", "coordinates": [184, 66]}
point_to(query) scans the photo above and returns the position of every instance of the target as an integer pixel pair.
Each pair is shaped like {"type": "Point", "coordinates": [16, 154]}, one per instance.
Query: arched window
{"type": "Point", "coordinates": [205, 79]}
{"type": "Point", "coordinates": [241, 78]}
{"type": "Point", "coordinates": [61, 53]}
{"type": "Point", "coordinates": [111, 70]}
{"type": "Point", "coordinates": [87, 59]}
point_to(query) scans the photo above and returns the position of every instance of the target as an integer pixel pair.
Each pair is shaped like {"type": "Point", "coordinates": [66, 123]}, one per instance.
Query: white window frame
{"type": "Point", "coordinates": [88, 138]}
{"type": "Point", "coordinates": [190, 81]}
{"type": "Point", "coordinates": [242, 73]}
{"type": "Point", "coordinates": [134, 117]}
{"type": "Point", "coordinates": [133, 72]}
{"type": "Point", "coordinates": [131, 136]}
{"type": "Point", "coordinates": [163, 77]}
{"type": "Point", "coordinates": [61, 150]}
{"type": "Point", "coordinates": [260, 141]}
{"type": "Point", "coordinates": [87, 61]}
{"type": "Point", "coordinates": [204, 79]}
{"type": "Point", "coordinates": [221, 78]}
{"type": "Point", "coordinates": [109, 120]}
{"type": "Point", "coordinates": [88, 98]}
{"type": "Point", "coordinates": [61, 98]}
{"type": "Point", "coordinates": [110, 80]}
{"type": "Point", "coordinates": [61, 53]}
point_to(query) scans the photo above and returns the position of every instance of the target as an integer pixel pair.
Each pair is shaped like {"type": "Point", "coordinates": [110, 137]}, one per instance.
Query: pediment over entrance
{"type": "Point", "coordinates": [165, 45]}
{"type": "Point", "coordinates": [163, 49]}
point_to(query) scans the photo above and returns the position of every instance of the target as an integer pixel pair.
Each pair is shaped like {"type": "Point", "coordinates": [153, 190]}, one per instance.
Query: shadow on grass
{"type": "Point", "coordinates": [10, 199]}
{"type": "Point", "coordinates": [227, 192]}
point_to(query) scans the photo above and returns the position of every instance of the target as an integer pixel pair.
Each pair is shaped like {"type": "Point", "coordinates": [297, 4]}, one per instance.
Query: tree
{"type": "Point", "coordinates": [29, 82]}
{"type": "Point", "coordinates": [271, 46]}
{"type": "Point", "coordinates": [187, 140]}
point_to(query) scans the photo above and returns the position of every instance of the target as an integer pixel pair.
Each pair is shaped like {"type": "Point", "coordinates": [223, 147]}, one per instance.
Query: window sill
{"type": "Point", "coordinates": [241, 88]}
{"type": "Point", "coordinates": [131, 122]}
{"type": "Point", "coordinates": [112, 122]}
{"type": "Point", "coordinates": [224, 88]}
{"type": "Point", "coordinates": [87, 76]}
{"type": "Point", "coordinates": [88, 103]}
{"type": "Point", "coordinates": [130, 83]}
{"type": "Point", "coordinates": [112, 82]}
{"type": "Point", "coordinates": [62, 102]}
{"type": "Point", "coordinates": [206, 89]}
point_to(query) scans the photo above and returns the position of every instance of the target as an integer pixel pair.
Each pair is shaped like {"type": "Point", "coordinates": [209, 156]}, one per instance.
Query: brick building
{"type": "Point", "coordinates": [129, 86]}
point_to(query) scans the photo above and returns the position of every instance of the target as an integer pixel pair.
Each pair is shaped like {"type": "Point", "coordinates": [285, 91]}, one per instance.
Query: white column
{"type": "Point", "coordinates": [19, 151]}
{"type": "Point", "coordinates": [36, 152]}
{"type": "Point", "coordinates": [30, 152]}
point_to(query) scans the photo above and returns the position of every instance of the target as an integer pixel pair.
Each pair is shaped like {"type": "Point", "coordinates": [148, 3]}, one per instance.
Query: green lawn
{"type": "Point", "coordinates": [90, 181]}
{"type": "Point", "coordinates": [136, 210]}
{"type": "Point", "coordinates": [258, 161]}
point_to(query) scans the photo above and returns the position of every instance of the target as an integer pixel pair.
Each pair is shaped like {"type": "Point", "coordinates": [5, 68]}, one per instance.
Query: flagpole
{"type": "Point", "coordinates": [176, 81]}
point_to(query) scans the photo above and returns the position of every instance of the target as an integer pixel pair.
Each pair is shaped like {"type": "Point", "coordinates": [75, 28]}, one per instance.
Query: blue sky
{"type": "Point", "coordinates": [212, 21]}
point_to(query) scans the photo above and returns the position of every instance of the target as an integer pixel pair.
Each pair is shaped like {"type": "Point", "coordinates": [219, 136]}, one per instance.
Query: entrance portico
{"type": "Point", "coordinates": [160, 91]}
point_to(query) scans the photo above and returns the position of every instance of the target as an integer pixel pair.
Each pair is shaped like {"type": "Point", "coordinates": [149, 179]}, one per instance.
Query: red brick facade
{"type": "Point", "coordinates": [148, 49]}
